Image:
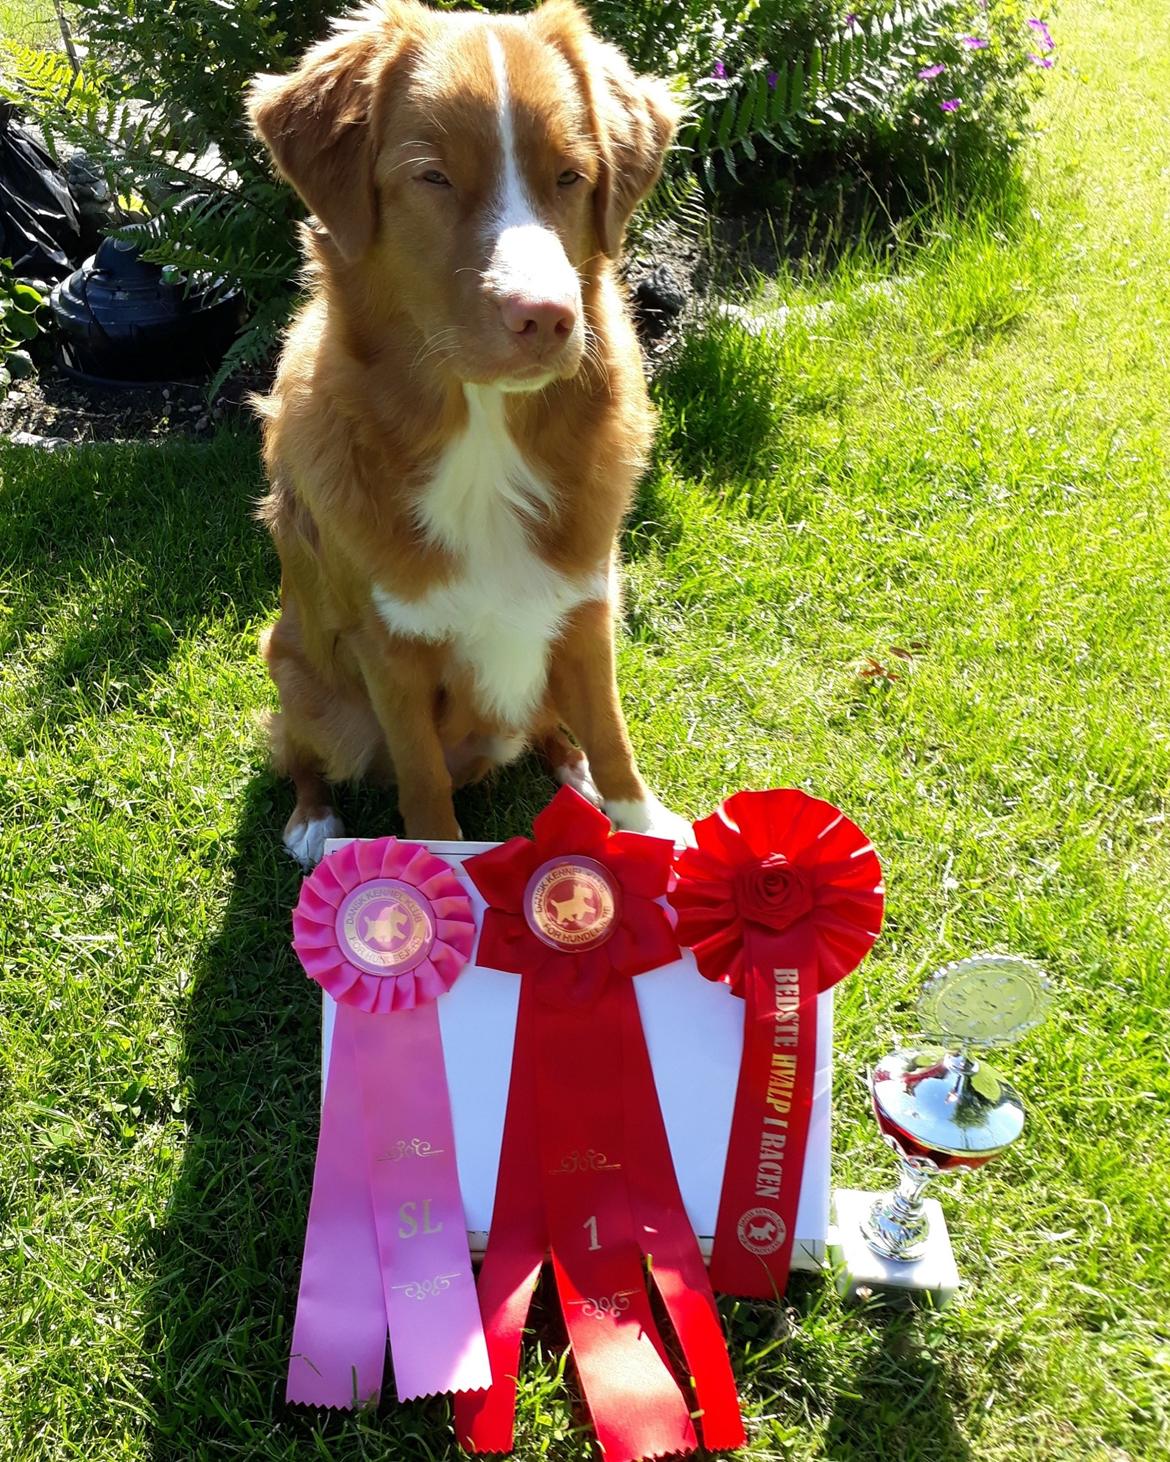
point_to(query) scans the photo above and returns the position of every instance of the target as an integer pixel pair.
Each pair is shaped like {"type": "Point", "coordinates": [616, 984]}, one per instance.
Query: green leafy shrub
{"type": "Point", "coordinates": [780, 89]}
{"type": "Point", "coordinates": [21, 318]}
{"type": "Point", "coordinates": [908, 89]}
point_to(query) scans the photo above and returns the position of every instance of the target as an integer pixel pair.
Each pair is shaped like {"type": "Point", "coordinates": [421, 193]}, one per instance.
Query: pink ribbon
{"type": "Point", "coordinates": [385, 927]}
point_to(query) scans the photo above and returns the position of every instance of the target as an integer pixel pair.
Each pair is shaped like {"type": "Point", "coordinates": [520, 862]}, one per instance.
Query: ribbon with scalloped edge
{"type": "Point", "coordinates": [781, 898]}
{"type": "Point", "coordinates": [385, 927]}
{"type": "Point", "coordinates": [585, 1169]}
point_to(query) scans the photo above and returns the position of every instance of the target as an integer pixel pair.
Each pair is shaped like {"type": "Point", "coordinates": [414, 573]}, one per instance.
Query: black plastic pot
{"type": "Point", "coordinates": [120, 321]}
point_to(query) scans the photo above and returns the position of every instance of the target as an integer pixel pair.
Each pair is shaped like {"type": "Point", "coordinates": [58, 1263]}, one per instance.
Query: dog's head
{"type": "Point", "coordinates": [477, 167]}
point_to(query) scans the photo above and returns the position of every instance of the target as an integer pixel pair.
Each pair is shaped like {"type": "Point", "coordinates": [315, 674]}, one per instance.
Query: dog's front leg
{"type": "Point", "coordinates": [583, 681]}
{"type": "Point", "coordinates": [402, 680]}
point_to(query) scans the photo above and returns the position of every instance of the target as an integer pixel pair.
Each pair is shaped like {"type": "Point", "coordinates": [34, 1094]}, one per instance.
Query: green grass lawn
{"type": "Point", "coordinates": [959, 474]}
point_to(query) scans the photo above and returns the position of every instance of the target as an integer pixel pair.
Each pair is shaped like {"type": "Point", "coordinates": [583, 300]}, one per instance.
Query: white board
{"type": "Point", "coordinates": [694, 1033]}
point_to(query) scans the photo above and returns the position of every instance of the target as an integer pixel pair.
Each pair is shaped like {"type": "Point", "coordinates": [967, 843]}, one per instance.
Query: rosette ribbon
{"type": "Point", "coordinates": [385, 927]}
{"type": "Point", "coordinates": [781, 898]}
{"type": "Point", "coordinates": [585, 1168]}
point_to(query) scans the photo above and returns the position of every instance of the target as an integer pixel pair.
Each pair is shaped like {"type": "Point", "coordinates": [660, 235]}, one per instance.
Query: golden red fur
{"type": "Point", "coordinates": [459, 418]}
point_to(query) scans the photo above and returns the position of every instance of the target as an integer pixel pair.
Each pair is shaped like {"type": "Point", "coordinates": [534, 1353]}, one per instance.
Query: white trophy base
{"type": "Point", "coordinates": [862, 1274]}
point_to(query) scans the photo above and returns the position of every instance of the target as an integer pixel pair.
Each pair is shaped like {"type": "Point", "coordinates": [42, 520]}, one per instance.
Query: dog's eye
{"type": "Point", "coordinates": [568, 178]}
{"type": "Point", "coordinates": [440, 180]}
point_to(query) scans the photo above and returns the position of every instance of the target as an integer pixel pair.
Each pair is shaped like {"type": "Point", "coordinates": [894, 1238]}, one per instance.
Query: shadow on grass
{"type": "Point", "coordinates": [809, 216]}
{"type": "Point", "coordinates": [871, 1390]}
{"type": "Point", "coordinates": [113, 555]}
{"type": "Point", "coordinates": [227, 1258]}
{"type": "Point", "coordinates": [895, 1401]}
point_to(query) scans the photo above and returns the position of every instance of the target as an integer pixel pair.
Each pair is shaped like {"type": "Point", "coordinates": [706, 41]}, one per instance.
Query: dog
{"type": "Point", "coordinates": [459, 416]}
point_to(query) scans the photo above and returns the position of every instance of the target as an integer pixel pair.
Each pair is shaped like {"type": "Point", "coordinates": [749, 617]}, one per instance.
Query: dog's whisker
{"type": "Point", "coordinates": [442, 340]}
{"type": "Point", "coordinates": [595, 356]}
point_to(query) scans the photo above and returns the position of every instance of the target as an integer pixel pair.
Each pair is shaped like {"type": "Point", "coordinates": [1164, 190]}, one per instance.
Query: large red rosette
{"type": "Point", "coordinates": [585, 1168]}
{"type": "Point", "coordinates": [781, 898]}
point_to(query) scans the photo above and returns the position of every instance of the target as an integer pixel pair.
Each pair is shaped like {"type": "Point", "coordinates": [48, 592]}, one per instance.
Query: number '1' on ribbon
{"type": "Point", "coordinates": [585, 1170]}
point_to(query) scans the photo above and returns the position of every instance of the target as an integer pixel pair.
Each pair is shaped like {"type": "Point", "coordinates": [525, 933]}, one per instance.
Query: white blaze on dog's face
{"type": "Point", "coordinates": [485, 175]}
{"type": "Point", "coordinates": [475, 171]}
{"type": "Point", "coordinates": [528, 272]}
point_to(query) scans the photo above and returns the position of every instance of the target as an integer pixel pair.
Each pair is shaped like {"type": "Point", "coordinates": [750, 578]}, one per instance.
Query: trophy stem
{"type": "Point", "coordinates": [896, 1226]}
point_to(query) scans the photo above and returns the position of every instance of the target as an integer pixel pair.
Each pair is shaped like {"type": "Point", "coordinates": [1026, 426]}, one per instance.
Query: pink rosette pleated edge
{"type": "Point", "coordinates": [335, 877]}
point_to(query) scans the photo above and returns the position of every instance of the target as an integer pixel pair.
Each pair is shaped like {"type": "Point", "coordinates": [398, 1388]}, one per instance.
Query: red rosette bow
{"type": "Point", "coordinates": [573, 911]}
{"type": "Point", "coordinates": [632, 936]}
{"type": "Point", "coordinates": [781, 897]}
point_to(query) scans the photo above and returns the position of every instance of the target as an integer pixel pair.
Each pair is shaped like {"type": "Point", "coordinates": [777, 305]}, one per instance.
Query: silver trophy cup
{"type": "Point", "coordinates": [940, 1107]}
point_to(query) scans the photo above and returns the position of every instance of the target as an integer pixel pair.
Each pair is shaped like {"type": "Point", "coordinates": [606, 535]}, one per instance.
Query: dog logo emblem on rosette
{"type": "Point", "coordinates": [572, 903]}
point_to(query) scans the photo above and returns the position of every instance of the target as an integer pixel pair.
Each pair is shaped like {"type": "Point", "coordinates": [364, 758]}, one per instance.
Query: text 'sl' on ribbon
{"type": "Point", "coordinates": [385, 927]}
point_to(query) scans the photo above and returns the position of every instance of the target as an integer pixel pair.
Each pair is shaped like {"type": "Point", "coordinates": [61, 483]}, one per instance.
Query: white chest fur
{"type": "Point", "coordinates": [502, 609]}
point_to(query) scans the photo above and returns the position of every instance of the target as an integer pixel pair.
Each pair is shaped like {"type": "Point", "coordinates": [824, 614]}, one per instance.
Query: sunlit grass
{"type": "Point", "coordinates": [953, 479]}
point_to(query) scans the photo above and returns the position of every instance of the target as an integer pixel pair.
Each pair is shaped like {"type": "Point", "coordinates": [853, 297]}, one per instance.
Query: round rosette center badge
{"type": "Point", "coordinates": [572, 903]}
{"type": "Point", "coordinates": [386, 927]}
{"type": "Point", "coordinates": [383, 925]}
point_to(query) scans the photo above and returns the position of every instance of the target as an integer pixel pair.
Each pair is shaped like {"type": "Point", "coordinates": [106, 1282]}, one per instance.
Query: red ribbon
{"type": "Point", "coordinates": [585, 1168]}
{"type": "Point", "coordinates": [781, 898]}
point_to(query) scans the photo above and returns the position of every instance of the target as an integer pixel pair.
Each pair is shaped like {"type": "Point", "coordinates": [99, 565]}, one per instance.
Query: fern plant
{"type": "Point", "coordinates": [870, 71]}
{"type": "Point", "coordinates": [158, 105]}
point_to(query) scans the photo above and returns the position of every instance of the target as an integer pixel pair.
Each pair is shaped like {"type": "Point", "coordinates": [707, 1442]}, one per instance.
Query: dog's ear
{"type": "Point", "coordinates": [638, 117]}
{"type": "Point", "coordinates": [634, 117]}
{"type": "Point", "coordinates": [317, 122]}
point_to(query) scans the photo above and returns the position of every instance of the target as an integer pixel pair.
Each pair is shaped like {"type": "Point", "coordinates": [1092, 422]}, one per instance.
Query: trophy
{"type": "Point", "coordinates": [941, 1109]}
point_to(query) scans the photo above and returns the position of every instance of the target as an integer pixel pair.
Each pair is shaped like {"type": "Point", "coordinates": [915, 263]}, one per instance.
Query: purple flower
{"type": "Point", "coordinates": [719, 71]}
{"type": "Point", "coordinates": [975, 43]}
{"type": "Point", "coordinates": [851, 22]}
{"type": "Point", "coordinates": [952, 105]}
{"type": "Point", "coordinates": [772, 80]}
{"type": "Point", "coordinates": [928, 73]}
{"type": "Point", "coordinates": [1044, 33]}
{"type": "Point", "coordinates": [1046, 61]}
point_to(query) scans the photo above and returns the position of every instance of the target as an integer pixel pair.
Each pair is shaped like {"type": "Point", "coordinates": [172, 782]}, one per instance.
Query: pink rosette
{"type": "Point", "coordinates": [420, 883]}
{"type": "Point", "coordinates": [385, 927]}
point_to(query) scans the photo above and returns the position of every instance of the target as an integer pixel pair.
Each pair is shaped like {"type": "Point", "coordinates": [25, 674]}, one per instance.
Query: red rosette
{"type": "Point", "coordinates": [774, 859]}
{"type": "Point", "coordinates": [585, 1167]}
{"type": "Point", "coordinates": [621, 931]}
{"type": "Point", "coordinates": [781, 898]}
{"type": "Point", "coordinates": [383, 925]}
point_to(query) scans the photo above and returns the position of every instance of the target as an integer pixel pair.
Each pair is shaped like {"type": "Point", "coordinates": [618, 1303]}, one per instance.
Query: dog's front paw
{"type": "Point", "coordinates": [575, 773]}
{"type": "Point", "coordinates": [649, 816]}
{"type": "Point", "coordinates": [306, 832]}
